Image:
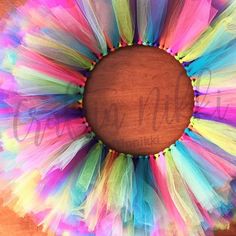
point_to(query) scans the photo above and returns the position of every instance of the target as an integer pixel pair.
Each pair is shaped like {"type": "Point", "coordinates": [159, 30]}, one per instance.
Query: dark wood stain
{"type": "Point", "coordinates": [139, 100]}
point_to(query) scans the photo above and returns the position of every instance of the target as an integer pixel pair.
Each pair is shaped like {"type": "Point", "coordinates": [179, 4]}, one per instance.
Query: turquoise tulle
{"type": "Point", "coordinates": [212, 174]}
{"type": "Point", "coordinates": [221, 58]}
{"type": "Point", "coordinates": [147, 206]}
{"type": "Point", "coordinates": [195, 178]}
{"type": "Point", "coordinates": [210, 146]}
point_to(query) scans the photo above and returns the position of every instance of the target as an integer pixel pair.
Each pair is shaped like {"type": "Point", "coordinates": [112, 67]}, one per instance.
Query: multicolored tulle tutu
{"type": "Point", "coordinates": [52, 165]}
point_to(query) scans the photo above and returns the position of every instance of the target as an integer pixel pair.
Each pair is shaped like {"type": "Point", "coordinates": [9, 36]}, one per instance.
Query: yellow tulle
{"type": "Point", "coordinates": [10, 144]}
{"type": "Point", "coordinates": [180, 196]}
{"type": "Point", "coordinates": [24, 195]}
{"type": "Point", "coordinates": [91, 208]}
{"type": "Point", "coordinates": [221, 134]}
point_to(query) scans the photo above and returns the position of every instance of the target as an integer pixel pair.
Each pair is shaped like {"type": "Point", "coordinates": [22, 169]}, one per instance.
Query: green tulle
{"type": "Point", "coordinates": [124, 19]}
{"type": "Point", "coordinates": [121, 178]}
{"type": "Point", "coordinates": [90, 168]}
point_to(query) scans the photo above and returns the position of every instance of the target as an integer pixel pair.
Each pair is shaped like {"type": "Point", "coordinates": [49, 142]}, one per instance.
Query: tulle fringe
{"type": "Point", "coordinates": [54, 167]}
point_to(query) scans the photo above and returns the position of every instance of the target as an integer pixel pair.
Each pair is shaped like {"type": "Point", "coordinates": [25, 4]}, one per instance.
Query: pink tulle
{"type": "Point", "coordinates": [159, 172]}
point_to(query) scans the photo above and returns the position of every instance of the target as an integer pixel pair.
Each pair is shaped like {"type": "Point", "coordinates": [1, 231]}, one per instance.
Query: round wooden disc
{"type": "Point", "coordinates": [138, 100]}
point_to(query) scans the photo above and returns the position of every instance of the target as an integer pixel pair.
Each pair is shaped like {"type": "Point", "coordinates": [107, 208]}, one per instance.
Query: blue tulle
{"type": "Point", "coordinates": [212, 174]}
{"type": "Point", "coordinates": [145, 201]}
{"type": "Point", "coordinates": [218, 59]}
{"type": "Point", "coordinates": [156, 21]}
{"type": "Point", "coordinates": [195, 178]}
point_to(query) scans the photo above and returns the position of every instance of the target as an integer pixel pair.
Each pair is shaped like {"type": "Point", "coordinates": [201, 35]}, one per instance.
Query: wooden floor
{"type": "Point", "coordinates": [147, 100]}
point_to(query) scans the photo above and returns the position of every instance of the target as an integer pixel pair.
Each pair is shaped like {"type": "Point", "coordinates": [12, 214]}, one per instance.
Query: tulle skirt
{"type": "Point", "coordinates": [52, 165]}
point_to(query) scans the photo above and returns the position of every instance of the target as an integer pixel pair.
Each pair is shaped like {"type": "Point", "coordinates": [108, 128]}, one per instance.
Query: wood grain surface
{"type": "Point", "coordinates": [147, 101]}
{"type": "Point", "coordinates": [139, 100]}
